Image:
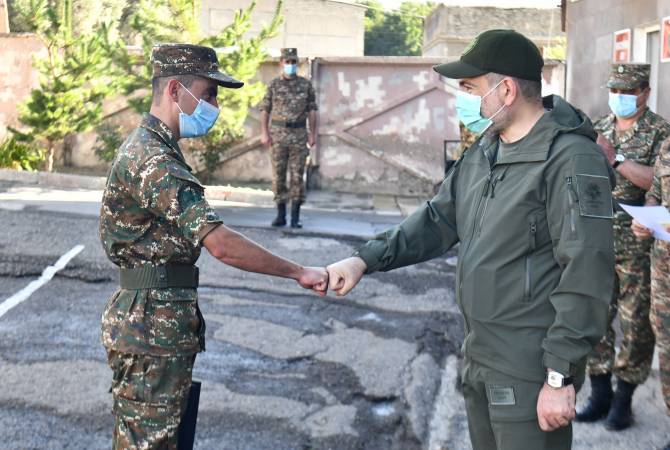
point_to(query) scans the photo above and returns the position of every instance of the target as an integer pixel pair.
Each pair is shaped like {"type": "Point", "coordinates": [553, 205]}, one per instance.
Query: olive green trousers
{"type": "Point", "coordinates": [502, 412]}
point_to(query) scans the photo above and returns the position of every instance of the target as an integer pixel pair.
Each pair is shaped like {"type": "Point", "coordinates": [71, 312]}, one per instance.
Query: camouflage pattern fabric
{"type": "Point", "coordinates": [293, 158]}
{"type": "Point", "coordinates": [150, 395]}
{"type": "Point", "coordinates": [153, 212]}
{"type": "Point", "coordinates": [660, 268]}
{"type": "Point", "coordinates": [289, 53]}
{"type": "Point", "coordinates": [467, 139]}
{"type": "Point", "coordinates": [184, 59]}
{"type": "Point", "coordinates": [628, 76]}
{"type": "Point", "coordinates": [289, 100]}
{"type": "Point", "coordinates": [631, 296]}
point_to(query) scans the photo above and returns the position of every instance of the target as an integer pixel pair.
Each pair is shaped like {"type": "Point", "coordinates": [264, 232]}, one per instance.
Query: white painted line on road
{"type": "Point", "coordinates": [47, 275]}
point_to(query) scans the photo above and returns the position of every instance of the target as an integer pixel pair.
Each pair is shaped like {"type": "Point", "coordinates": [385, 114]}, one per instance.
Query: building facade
{"type": "Point", "coordinates": [602, 31]}
{"type": "Point", "coordinates": [449, 29]}
{"type": "Point", "coordinates": [321, 28]}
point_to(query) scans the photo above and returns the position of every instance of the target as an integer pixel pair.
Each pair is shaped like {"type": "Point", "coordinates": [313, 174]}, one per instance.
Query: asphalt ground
{"type": "Point", "coordinates": [283, 369]}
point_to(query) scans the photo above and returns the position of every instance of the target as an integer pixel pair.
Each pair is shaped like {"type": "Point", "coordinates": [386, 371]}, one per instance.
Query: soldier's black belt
{"type": "Point", "coordinates": [286, 124]}
{"type": "Point", "coordinates": [159, 277]}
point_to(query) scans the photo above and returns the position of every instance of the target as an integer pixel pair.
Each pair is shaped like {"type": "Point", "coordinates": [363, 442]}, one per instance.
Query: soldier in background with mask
{"type": "Point", "coordinates": [291, 101]}
{"type": "Point", "coordinates": [631, 137]}
{"type": "Point", "coordinates": [153, 222]}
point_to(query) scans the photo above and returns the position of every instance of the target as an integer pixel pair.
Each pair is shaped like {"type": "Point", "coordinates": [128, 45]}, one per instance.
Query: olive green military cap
{"type": "Point", "coordinates": [499, 51]}
{"type": "Point", "coordinates": [185, 59]}
{"type": "Point", "coordinates": [628, 76]}
{"type": "Point", "coordinates": [289, 53]}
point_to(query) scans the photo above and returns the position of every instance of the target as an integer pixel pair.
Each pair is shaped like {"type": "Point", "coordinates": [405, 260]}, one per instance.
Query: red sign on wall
{"type": "Point", "coordinates": [665, 39]}
{"type": "Point", "coordinates": [622, 39]}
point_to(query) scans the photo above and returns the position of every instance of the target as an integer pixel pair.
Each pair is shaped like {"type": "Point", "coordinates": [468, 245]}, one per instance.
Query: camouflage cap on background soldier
{"type": "Point", "coordinates": [289, 53]}
{"type": "Point", "coordinates": [628, 76]}
{"type": "Point", "coordinates": [185, 59]}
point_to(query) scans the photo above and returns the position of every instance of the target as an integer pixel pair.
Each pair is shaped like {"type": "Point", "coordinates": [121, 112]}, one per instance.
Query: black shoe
{"type": "Point", "coordinates": [280, 220]}
{"type": "Point", "coordinates": [600, 400]}
{"type": "Point", "coordinates": [667, 447]}
{"type": "Point", "coordinates": [295, 216]}
{"type": "Point", "coordinates": [620, 416]}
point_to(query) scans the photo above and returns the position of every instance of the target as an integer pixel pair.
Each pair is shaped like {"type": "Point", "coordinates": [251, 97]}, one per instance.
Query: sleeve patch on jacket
{"type": "Point", "coordinates": [595, 199]}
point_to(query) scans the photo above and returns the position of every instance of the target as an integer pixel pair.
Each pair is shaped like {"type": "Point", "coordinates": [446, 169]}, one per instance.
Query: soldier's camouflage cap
{"type": "Point", "coordinates": [289, 53]}
{"type": "Point", "coordinates": [628, 76]}
{"type": "Point", "coordinates": [185, 59]}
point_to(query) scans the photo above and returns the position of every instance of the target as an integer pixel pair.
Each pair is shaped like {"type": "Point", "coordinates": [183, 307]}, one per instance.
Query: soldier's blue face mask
{"type": "Point", "coordinates": [200, 121]}
{"type": "Point", "coordinates": [469, 110]}
{"type": "Point", "coordinates": [623, 105]}
{"type": "Point", "coordinates": [290, 69]}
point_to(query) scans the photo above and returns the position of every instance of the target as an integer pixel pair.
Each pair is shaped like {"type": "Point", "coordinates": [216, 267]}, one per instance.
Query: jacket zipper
{"type": "Point", "coordinates": [533, 243]}
{"type": "Point", "coordinates": [571, 198]}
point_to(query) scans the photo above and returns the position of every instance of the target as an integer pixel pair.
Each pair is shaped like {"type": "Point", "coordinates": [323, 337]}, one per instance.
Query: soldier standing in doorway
{"type": "Point", "coordinates": [291, 101]}
{"type": "Point", "coordinates": [631, 137]}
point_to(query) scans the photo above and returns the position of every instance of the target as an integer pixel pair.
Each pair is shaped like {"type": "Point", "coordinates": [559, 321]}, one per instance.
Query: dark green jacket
{"type": "Point", "coordinates": [536, 263]}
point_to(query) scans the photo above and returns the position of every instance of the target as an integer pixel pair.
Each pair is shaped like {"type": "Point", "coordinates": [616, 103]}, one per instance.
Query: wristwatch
{"type": "Point", "coordinates": [557, 380]}
{"type": "Point", "coordinates": [618, 159]}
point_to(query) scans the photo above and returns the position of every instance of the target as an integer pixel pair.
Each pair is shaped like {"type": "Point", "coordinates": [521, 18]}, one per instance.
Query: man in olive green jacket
{"type": "Point", "coordinates": [530, 204]}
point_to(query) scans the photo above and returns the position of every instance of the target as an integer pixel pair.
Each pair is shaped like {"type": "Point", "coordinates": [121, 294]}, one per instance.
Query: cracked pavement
{"type": "Point", "coordinates": [284, 369]}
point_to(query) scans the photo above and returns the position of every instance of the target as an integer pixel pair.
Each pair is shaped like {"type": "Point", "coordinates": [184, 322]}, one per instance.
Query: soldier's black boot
{"type": "Point", "coordinates": [295, 215]}
{"type": "Point", "coordinates": [600, 400]}
{"type": "Point", "coordinates": [280, 220]}
{"type": "Point", "coordinates": [620, 416]}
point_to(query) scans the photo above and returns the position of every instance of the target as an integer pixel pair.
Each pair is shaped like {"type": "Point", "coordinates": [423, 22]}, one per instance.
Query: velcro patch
{"type": "Point", "coordinates": [501, 396]}
{"type": "Point", "coordinates": [595, 198]}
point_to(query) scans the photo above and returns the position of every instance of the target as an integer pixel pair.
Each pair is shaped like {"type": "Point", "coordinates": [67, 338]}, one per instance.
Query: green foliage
{"type": "Point", "coordinates": [18, 155]}
{"type": "Point", "coordinates": [109, 139]}
{"type": "Point", "coordinates": [557, 51]}
{"type": "Point", "coordinates": [239, 56]}
{"type": "Point", "coordinates": [395, 33]}
{"type": "Point", "coordinates": [73, 73]}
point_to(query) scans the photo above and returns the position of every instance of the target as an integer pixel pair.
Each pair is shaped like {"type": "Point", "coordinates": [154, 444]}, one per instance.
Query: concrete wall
{"type": "Point", "coordinates": [17, 76]}
{"type": "Point", "coordinates": [590, 27]}
{"type": "Point", "coordinates": [315, 27]}
{"type": "Point", "coordinates": [449, 29]}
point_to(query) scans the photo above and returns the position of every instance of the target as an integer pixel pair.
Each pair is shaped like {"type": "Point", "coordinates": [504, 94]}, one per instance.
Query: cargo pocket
{"type": "Point", "coordinates": [173, 321]}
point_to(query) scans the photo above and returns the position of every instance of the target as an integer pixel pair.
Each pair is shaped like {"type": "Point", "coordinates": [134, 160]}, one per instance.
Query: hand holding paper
{"type": "Point", "coordinates": [655, 218]}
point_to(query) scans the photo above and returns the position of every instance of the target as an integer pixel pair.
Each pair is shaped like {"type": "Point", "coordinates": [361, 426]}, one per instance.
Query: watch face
{"type": "Point", "coordinates": [620, 158]}
{"type": "Point", "coordinates": [555, 379]}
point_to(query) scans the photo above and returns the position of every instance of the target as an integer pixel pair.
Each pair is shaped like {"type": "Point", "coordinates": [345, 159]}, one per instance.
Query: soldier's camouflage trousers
{"type": "Point", "coordinates": [289, 151]}
{"type": "Point", "coordinates": [150, 395]}
{"type": "Point", "coordinates": [631, 301]}
{"type": "Point", "coordinates": [660, 312]}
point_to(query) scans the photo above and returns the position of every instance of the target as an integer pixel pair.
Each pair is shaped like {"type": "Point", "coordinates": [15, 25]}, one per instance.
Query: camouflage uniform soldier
{"type": "Point", "coordinates": [153, 222]}
{"type": "Point", "coordinates": [467, 139]}
{"type": "Point", "coordinates": [291, 101]}
{"type": "Point", "coordinates": [659, 194]}
{"type": "Point", "coordinates": [631, 136]}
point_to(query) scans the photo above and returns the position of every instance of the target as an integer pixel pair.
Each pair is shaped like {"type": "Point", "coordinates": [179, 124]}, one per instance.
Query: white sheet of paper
{"type": "Point", "coordinates": [655, 218]}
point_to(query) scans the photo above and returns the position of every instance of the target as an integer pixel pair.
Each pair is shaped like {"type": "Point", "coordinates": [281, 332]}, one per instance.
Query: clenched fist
{"type": "Point", "coordinates": [346, 274]}
{"type": "Point", "coordinates": [314, 278]}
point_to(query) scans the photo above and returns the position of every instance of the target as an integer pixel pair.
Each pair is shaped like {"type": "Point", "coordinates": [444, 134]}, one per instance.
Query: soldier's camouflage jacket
{"type": "Point", "coordinates": [640, 144]}
{"type": "Point", "coordinates": [289, 100]}
{"type": "Point", "coordinates": [153, 212]}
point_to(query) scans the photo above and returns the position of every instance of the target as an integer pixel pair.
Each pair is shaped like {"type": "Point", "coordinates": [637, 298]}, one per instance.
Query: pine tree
{"type": "Point", "coordinates": [240, 56]}
{"type": "Point", "coordinates": [73, 74]}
